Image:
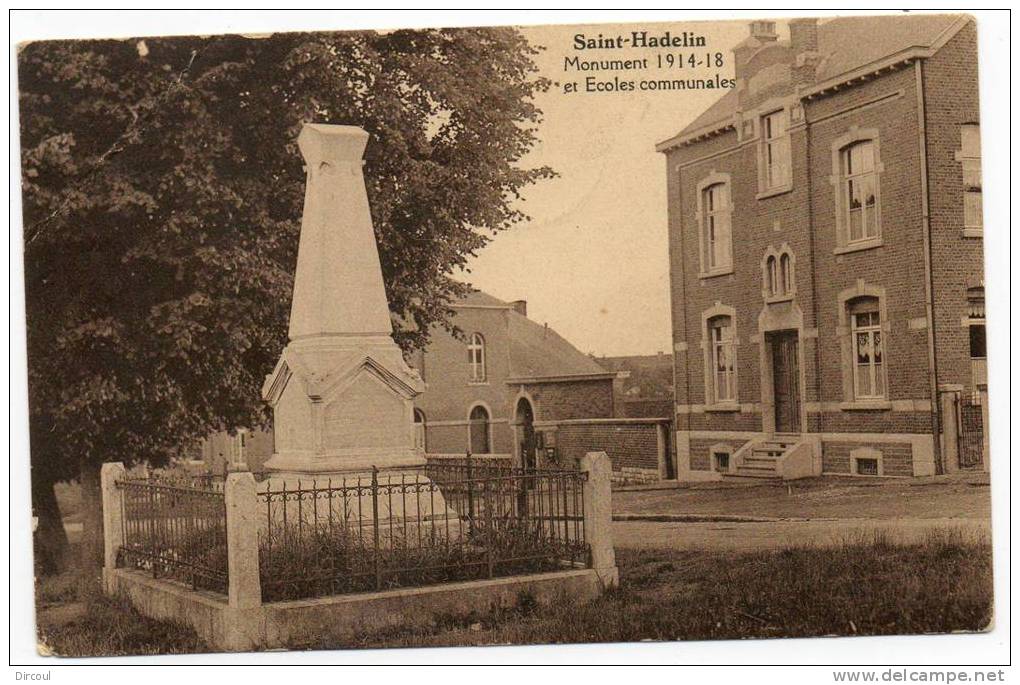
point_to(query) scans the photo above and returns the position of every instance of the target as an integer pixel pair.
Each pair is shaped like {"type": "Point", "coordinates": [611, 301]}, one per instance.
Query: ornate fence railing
{"type": "Point", "coordinates": [175, 529]}
{"type": "Point", "coordinates": [452, 468]}
{"type": "Point", "coordinates": [381, 531]}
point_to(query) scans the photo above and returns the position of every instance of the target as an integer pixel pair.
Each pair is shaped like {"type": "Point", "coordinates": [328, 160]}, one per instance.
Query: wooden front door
{"type": "Point", "coordinates": [785, 381]}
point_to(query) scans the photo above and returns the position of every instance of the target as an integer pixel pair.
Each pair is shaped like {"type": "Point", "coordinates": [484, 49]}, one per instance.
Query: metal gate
{"type": "Point", "coordinates": [972, 429]}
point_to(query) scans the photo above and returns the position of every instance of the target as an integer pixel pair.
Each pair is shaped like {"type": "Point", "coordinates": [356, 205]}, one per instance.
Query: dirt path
{"type": "Point", "coordinates": [741, 537]}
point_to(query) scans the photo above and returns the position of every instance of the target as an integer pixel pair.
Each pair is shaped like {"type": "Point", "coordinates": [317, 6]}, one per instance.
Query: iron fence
{"type": "Point", "coordinates": [448, 469]}
{"type": "Point", "coordinates": [971, 430]}
{"type": "Point", "coordinates": [175, 530]}
{"type": "Point", "coordinates": [386, 531]}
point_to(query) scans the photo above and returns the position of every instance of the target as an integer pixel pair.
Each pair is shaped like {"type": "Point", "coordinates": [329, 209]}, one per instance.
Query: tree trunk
{"type": "Point", "coordinates": [50, 538]}
{"type": "Point", "coordinates": [91, 562]}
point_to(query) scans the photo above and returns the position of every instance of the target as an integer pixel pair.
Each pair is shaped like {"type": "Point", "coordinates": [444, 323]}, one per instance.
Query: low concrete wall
{"type": "Point", "coordinates": [339, 619]}
{"type": "Point", "coordinates": [167, 600]}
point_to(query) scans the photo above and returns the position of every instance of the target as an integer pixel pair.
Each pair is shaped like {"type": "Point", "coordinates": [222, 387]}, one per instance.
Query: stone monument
{"type": "Point", "coordinates": [341, 392]}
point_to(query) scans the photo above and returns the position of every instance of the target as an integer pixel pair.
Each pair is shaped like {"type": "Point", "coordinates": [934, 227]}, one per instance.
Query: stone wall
{"type": "Point", "coordinates": [637, 449]}
{"type": "Point", "coordinates": [565, 400]}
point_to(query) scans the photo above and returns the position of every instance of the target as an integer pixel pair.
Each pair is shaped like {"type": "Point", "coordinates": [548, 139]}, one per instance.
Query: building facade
{"type": "Point", "coordinates": [496, 388]}
{"type": "Point", "coordinates": [826, 255]}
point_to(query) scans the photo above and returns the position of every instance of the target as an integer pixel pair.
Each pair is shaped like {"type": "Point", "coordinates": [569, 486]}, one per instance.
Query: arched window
{"type": "Point", "coordinates": [716, 228]}
{"type": "Point", "coordinates": [476, 357]}
{"type": "Point", "coordinates": [785, 274]}
{"type": "Point", "coordinates": [479, 430]}
{"type": "Point", "coordinates": [420, 430]}
{"type": "Point", "coordinates": [859, 191]}
{"type": "Point", "coordinates": [777, 270]}
{"type": "Point", "coordinates": [867, 348]}
{"type": "Point", "coordinates": [722, 356]}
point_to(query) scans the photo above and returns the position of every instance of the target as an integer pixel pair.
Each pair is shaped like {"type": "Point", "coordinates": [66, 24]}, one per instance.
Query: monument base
{"type": "Point", "coordinates": [399, 500]}
{"type": "Point", "coordinates": [316, 464]}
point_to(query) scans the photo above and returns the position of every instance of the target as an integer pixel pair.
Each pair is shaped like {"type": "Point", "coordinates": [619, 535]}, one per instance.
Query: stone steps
{"type": "Point", "coordinates": [762, 462]}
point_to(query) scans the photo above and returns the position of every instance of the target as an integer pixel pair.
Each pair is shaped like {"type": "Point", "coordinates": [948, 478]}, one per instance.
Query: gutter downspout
{"type": "Point", "coordinates": [683, 299]}
{"type": "Point", "coordinates": [929, 305]}
{"type": "Point", "coordinates": [814, 279]}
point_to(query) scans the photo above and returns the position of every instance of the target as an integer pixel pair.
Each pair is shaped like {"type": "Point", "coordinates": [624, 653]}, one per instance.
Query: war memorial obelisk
{"type": "Point", "coordinates": [341, 392]}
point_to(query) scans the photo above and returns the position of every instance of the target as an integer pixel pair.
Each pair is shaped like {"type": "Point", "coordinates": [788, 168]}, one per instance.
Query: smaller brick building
{"type": "Point", "coordinates": [491, 391]}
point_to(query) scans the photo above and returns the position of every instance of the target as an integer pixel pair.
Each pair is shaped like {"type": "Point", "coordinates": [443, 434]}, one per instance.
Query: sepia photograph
{"type": "Point", "coordinates": [376, 337]}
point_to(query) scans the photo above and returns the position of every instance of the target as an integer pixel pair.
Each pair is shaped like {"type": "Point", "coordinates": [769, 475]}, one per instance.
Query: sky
{"type": "Point", "coordinates": [593, 261]}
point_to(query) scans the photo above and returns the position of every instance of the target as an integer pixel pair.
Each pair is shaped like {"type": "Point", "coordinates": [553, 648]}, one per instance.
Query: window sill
{"type": "Point", "coordinates": [723, 406]}
{"type": "Point", "coordinates": [772, 192]}
{"type": "Point", "coordinates": [858, 247]}
{"type": "Point", "coordinates": [865, 405]}
{"type": "Point", "coordinates": [478, 382]}
{"type": "Point", "coordinates": [779, 298]}
{"type": "Point", "coordinates": [716, 272]}
{"type": "Point", "coordinates": [973, 232]}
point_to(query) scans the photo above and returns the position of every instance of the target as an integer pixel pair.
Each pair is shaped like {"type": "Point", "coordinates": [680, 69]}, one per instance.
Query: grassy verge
{"type": "Point", "coordinates": [860, 587]}
{"type": "Point", "coordinates": [67, 626]}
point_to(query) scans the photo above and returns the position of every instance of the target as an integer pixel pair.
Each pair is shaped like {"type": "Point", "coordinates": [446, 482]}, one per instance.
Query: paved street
{"type": "Point", "coordinates": [742, 537]}
{"type": "Point", "coordinates": [816, 511]}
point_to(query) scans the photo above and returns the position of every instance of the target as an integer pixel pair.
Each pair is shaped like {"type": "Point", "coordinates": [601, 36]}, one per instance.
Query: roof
{"type": "Point", "coordinates": [720, 111]}
{"type": "Point", "coordinates": [477, 298]}
{"type": "Point", "coordinates": [651, 375]}
{"type": "Point", "coordinates": [847, 44]}
{"type": "Point", "coordinates": [535, 349]}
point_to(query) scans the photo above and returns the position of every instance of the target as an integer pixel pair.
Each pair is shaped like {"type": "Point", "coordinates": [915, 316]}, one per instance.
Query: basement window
{"type": "Point", "coordinates": [721, 461]}
{"type": "Point", "coordinates": [866, 466]}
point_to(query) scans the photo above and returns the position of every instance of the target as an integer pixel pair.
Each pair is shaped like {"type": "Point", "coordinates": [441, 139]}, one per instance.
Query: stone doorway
{"type": "Point", "coordinates": [527, 444]}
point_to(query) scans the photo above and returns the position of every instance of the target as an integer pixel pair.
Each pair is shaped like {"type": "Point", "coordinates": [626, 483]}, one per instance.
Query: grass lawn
{"type": "Point", "coordinates": [101, 627]}
{"type": "Point", "coordinates": [859, 587]}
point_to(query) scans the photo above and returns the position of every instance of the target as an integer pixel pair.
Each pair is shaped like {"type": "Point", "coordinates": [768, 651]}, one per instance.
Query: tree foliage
{"type": "Point", "coordinates": [162, 191]}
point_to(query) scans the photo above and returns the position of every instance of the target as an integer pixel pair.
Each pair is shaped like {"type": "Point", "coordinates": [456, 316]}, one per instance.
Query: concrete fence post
{"type": "Point", "coordinates": [950, 399]}
{"type": "Point", "coordinates": [598, 516]}
{"type": "Point", "coordinates": [662, 451]}
{"type": "Point", "coordinates": [244, 588]}
{"type": "Point", "coordinates": [113, 518]}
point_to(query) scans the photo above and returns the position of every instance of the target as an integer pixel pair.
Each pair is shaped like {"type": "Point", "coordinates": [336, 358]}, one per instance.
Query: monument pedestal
{"type": "Point", "coordinates": [342, 394]}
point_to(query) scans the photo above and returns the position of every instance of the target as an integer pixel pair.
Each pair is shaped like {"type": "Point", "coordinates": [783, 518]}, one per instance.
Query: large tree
{"type": "Point", "coordinates": [162, 191]}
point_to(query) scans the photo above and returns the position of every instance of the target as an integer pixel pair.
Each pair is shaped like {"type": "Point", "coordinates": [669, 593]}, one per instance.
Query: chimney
{"type": "Point", "coordinates": [804, 45]}
{"type": "Point", "coordinates": [804, 35]}
{"type": "Point", "coordinates": [520, 306]}
{"type": "Point", "coordinates": [764, 31]}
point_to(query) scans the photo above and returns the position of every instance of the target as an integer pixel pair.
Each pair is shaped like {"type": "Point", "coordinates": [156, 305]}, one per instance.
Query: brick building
{"type": "Point", "coordinates": [826, 255]}
{"type": "Point", "coordinates": [492, 391]}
